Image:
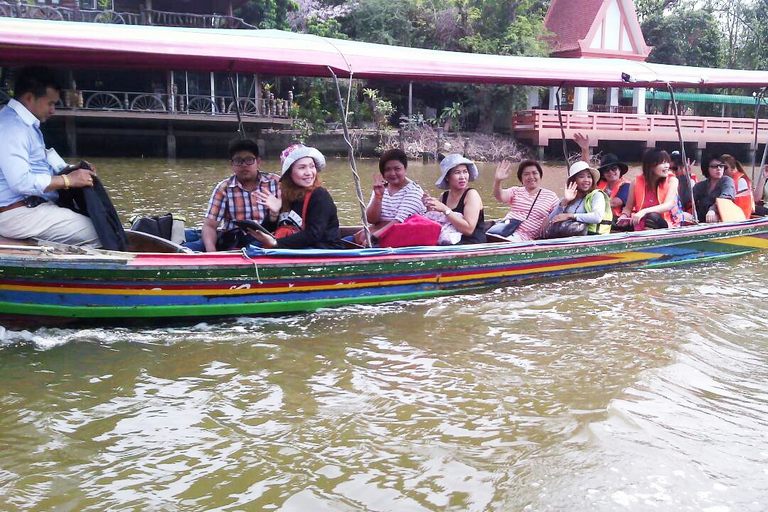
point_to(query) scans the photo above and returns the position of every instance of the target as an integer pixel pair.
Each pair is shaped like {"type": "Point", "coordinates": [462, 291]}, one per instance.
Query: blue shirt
{"type": "Point", "coordinates": [24, 170]}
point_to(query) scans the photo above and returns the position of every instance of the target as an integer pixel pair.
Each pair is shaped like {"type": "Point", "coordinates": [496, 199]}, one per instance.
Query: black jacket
{"type": "Point", "coordinates": [94, 202]}
{"type": "Point", "coordinates": [321, 229]}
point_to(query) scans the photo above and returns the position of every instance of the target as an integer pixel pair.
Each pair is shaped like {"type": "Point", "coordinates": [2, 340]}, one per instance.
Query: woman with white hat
{"type": "Point", "coordinates": [460, 204]}
{"type": "Point", "coordinates": [584, 209]}
{"type": "Point", "coordinates": [303, 215]}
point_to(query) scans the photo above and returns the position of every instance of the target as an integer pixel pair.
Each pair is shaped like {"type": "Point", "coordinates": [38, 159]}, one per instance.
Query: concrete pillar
{"type": "Point", "coordinates": [612, 97]}
{"type": "Point", "coordinates": [638, 99]}
{"type": "Point", "coordinates": [71, 130]}
{"type": "Point", "coordinates": [539, 153]}
{"type": "Point", "coordinates": [580, 99]}
{"type": "Point", "coordinates": [410, 100]}
{"type": "Point", "coordinates": [552, 100]}
{"type": "Point", "coordinates": [533, 98]}
{"type": "Point", "coordinates": [213, 93]}
{"type": "Point", "coordinates": [590, 96]}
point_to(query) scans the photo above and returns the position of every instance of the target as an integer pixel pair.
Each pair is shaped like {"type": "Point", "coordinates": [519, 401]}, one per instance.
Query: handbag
{"type": "Point", "coordinates": [509, 226]}
{"type": "Point", "coordinates": [292, 229]}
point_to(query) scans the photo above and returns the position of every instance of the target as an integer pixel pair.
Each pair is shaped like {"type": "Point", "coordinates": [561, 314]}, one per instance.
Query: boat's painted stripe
{"type": "Point", "coordinates": [253, 287]}
{"type": "Point", "coordinates": [745, 241]}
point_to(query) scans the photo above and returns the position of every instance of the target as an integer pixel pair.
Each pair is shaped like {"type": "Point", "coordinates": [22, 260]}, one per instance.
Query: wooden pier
{"type": "Point", "coordinates": [540, 127]}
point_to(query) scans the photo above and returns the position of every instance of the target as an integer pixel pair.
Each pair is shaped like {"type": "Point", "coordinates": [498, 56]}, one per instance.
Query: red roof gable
{"type": "Point", "coordinates": [595, 28]}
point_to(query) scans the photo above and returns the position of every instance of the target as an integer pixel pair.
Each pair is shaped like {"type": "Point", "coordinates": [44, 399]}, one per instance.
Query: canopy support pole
{"type": "Point", "coordinates": [236, 99]}
{"type": "Point", "coordinates": [562, 127]}
{"type": "Point", "coordinates": [682, 150]}
{"type": "Point", "coordinates": [758, 101]}
{"type": "Point", "coordinates": [351, 155]}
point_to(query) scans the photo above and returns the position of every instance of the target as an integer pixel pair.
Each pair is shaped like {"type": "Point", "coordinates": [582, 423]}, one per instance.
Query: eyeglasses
{"type": "Point", "coordinates": [243, 161]}
{"type": "Point", "coordinates": [717, 166]}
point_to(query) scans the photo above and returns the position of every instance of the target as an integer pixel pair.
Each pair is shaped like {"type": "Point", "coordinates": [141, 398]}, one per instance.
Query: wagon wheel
{"type": "Point", "coordinates": [201, 105]}
{"type": "Point", "coordinates": [109, 17]}
{"type": "Point", "coordinates": [104, 101]}
{"type": "Point", "coordinates": [147, 103]}
{"type": "Point", "coordinates": [46, 13]}
{"type": "Point", "coordinates": [247, 107]}
{"type": "Point", "coordinates": [5, 11]}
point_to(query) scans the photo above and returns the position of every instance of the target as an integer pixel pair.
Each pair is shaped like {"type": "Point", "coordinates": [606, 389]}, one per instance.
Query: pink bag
{"type": "Point", "coordinates": [415, 230]}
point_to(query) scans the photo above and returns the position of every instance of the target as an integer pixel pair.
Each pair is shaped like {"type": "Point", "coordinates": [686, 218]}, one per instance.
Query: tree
{"type": "Point", "coordinates": [684, 37]}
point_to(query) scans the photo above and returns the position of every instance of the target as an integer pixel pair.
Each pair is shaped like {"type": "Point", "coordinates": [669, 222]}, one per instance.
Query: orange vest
{"type": "Point", "coordinates": [673, 216]}
{"type": "Point", "coordinates": [602, 185]}
{"type": "Point", "coordinates": [745, 200]}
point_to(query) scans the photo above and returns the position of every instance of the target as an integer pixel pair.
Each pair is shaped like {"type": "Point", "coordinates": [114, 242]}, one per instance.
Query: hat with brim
{"type": "Point", "coordinates": [609, 160]}
{"type": "Point", "coordinates": [582, 166]}
{"type": "Point", "coordinates": [295, 152]}
{"type": "Point", "coordinates": [451, 161]}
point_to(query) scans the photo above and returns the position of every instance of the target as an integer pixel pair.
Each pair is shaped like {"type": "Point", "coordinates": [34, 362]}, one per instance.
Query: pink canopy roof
{"type": "Point", "coordinates": [95, 45]}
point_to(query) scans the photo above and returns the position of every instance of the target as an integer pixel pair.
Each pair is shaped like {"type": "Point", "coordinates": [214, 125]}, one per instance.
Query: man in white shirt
{"type": "Point", "coordinates": [29, 177]}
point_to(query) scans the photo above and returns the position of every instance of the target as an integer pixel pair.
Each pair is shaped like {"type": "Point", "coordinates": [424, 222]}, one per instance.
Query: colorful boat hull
{"type": "Point", "coordinates": [114, 287]}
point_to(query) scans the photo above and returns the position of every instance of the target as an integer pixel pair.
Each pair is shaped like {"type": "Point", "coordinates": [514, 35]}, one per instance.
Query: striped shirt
{"type": "Point", "coordinates": [520, 202]}
{"type": "Point", "coordinates": [229, 201]}
{"type": "Point", "coordinates": [405, 202]}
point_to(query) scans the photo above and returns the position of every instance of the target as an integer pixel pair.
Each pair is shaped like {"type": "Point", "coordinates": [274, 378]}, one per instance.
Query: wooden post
{"type": "Point", "coordinates": [171, 142]}
{"type": "Point", "coordinates": [71, 130]}
{"type": "Point", "coordinates": [257, 94]}
{"type": "Point", "coordinates": [439, 142]}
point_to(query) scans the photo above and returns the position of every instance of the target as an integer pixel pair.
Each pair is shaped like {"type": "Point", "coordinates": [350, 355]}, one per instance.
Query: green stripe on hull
{"type": "Point", "coordinates": [10, 308]}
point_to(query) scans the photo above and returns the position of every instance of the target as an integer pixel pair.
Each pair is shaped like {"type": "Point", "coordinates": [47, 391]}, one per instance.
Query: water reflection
{"type": "Point", "coordinates": [631, 390]}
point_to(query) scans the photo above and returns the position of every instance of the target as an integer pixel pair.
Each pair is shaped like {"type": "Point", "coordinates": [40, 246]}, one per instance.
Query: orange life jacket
{"type": "Point", "coordinates": [673, 216]}
{"type": "Point", "coordinates": [602, 185]}
{"type": "Point", "coordinates": [744, 200]}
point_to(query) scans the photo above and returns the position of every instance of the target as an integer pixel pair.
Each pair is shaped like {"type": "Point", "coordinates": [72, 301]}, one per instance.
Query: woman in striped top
{"type": "Point", "coordinates": [394, 197]}
{"type": "Point", "coordinates": [529, 204]}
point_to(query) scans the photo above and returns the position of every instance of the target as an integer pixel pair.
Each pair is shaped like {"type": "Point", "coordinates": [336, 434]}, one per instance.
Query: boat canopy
{"type": "Point", "coordinates": [104, 46]}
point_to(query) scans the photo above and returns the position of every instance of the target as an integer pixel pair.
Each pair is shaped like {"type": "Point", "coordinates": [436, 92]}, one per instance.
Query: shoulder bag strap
{"type": "Point", "coordinates": [533, 204]}
{"type": "Point", "coordinates": [304, 209]}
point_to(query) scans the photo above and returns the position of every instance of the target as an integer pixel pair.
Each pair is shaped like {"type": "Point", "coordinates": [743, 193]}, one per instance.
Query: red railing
{"type": "Point", "coordinates": [540, 120]}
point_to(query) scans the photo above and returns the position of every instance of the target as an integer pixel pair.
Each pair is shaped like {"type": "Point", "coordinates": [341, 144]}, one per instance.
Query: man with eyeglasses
{"type": "Point", "coordinates": [716, 185]}
{"type": "Point", "coordinates": [234, 199]}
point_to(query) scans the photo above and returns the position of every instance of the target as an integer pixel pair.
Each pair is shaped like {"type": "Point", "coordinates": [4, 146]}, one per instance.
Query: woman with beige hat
{"type": "Point", "coordinates": [584, 209]}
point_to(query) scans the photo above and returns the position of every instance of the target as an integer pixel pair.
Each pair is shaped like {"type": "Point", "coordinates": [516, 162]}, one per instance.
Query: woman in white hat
{"type": "Point", "coordinates": [460, 204]}
{"type": "Point", "coordinates": [584, 209]}
{"type": "Point", "coordinates": [303, 215]}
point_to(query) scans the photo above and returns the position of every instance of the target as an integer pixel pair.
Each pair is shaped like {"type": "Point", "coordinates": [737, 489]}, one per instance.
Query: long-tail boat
{"type": "Point", "coordinates": [48, 283]}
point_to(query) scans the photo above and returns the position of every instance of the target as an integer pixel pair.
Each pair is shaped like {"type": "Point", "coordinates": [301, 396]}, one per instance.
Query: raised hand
{"type": "Point", "coordinates": [581, 139]}
{"type": "Point", "coordinates": [570, 191]}
{"type": "Point", "coordinates": [378, 185]}
{"type": "Point", "coordinates": [502, 170]}
{"type": "Point", "coordinates": [271, 201]}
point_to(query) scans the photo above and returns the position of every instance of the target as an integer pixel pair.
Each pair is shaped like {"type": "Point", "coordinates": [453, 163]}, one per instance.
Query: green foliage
{"type": "Point", "coordinates": [688, 37]}
{"type": "Point", "coordinates": [308, 112]}
{"type": "Point", "coordinates": [267, 13]}
{"type": "Point", "coordinates": [451, 116]}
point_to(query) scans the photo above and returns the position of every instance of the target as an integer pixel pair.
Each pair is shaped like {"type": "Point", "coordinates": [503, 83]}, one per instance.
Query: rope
{"type": "Point", "coordinates": [351, 156]}
{"type": "Point", "coordinates": [244, 250]}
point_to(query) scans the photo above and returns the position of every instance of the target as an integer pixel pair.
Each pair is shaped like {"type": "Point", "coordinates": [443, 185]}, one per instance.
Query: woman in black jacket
{"type": "Point", "coordinates": [304, 215]}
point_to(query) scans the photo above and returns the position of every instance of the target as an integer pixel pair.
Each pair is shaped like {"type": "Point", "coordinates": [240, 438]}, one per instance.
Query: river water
{"type": "Point", "coordinates": [635, 390]}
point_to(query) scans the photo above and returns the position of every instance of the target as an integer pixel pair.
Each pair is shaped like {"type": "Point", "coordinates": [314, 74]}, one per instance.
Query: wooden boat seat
{"type": "Point", "coordinates": [144, 242]}
{"type": "Point", "coordinates": [13, 241]}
